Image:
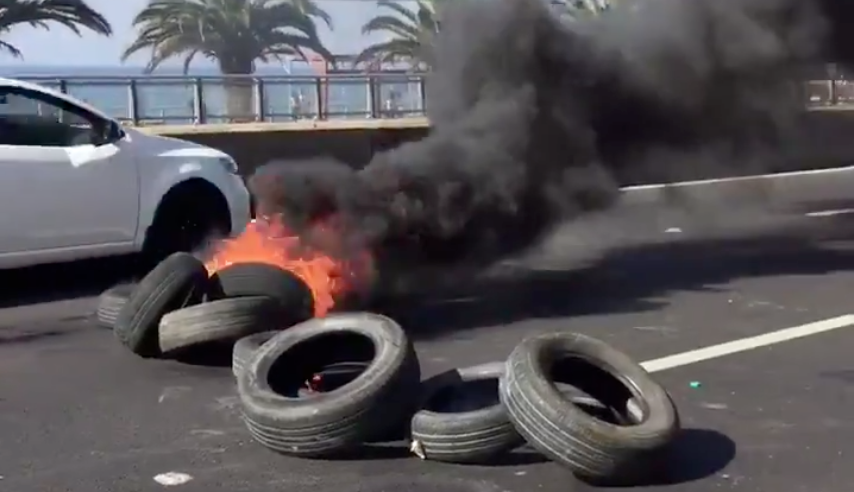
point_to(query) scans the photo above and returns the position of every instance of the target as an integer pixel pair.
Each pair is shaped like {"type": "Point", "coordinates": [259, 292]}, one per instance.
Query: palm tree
{"type": "Point", "coordinates": [234, 33]}
{"type": "Point", "coordinates": [411, 33]}
{"type": "Point", "coordinates": [72, 14]}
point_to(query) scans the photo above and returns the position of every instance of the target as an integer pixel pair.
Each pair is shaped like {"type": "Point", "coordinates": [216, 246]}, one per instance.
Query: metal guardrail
{"type": "Point", "coordinates": [829, 93]}
{"type": "Point", "coordinates": [175, 100]}
{"type": "Point", "coordinates": [153, 100]}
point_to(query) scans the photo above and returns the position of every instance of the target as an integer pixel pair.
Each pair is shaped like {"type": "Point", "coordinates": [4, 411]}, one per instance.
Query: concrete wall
{"type": "Point", "coordinates": [827, 140]}
{"type": "Point", "coordinates": [252, 145]}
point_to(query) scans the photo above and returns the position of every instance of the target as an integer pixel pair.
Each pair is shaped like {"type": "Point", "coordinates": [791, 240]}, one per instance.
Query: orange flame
{"type": "Point", "coordinates": [269, 241]}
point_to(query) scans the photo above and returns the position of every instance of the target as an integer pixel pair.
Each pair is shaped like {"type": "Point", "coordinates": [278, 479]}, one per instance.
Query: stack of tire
{"type": "Point", "coordinates": [572, 398]}
{"type": "Point", "coordinates": [178, 306]}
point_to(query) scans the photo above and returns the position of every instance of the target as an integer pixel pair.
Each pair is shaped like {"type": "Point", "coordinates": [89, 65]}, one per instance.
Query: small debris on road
{"type": "Point", "coordinates": [417, 449]}
{"type": "Point", "coordinates": [172, 478]}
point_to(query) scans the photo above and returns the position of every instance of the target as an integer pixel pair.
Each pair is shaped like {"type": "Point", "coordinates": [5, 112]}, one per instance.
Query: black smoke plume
{"type": "Point", "coordinates": [533, 117]}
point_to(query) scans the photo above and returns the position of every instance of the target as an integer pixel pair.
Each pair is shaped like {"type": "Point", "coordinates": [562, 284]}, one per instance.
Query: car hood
{"type": "Point", "coordinates": [162, 146]}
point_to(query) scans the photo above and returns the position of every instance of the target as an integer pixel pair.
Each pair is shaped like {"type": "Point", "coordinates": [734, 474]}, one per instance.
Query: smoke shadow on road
{"type": "Point", "coordinates": [64, 281]}
{"type": "Point", "coordinates": [628, 279]}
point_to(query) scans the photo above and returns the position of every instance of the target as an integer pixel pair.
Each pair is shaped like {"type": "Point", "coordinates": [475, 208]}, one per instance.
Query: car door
{"type": "Point", "coordinates": [62, 183]}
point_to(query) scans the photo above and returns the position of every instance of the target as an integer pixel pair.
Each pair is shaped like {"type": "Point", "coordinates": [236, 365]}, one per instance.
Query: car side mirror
{"type": "Point", "coordinates": [115, 132]}
{"type": "Point", "coordinates": [109, 132]}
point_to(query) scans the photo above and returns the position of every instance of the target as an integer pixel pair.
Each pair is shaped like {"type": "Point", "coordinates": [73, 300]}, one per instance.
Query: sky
{"type": "Point", "coordinates": [61, 47]}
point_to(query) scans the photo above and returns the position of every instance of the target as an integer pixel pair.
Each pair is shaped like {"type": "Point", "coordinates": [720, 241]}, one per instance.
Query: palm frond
{"type": "Point", "coordinates": [41, 14]}
{"type": "Point", "coordinates": [409, 29]}
{"type": "Point", "coordinates": [390, 51]}
{"type": "Point", "coordinates": [393, 25]}
{"type": "Point", "coordinates": [406, 13]}
{"type": "Point", "coordinates": [312, 9]}
{"type": "Point", "coordinates": [11, 49]}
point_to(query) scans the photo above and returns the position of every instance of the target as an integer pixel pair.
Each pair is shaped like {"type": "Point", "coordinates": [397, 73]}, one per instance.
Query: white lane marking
{"type": "Point", "coordinates": [755, 177]}
{"type": "Point", "coordinates": [830, 213]}
{"type": "Point", "coordinates": [172, 478]}
{"type": "Point", "coordinates": [745, 344]}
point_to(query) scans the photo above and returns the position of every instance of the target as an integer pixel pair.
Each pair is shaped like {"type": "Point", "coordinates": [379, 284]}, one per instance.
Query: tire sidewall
{"type": "Point", "coordinates": [531, 358]}
{"type": "Point", "coordinates": [453, 422]}
{"type": "Point", "coordinates": [245, 347]}
{"type": "Point", "coordinates": [391, 353]}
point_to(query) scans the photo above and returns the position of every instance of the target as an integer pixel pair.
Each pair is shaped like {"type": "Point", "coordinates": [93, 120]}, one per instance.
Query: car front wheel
{"type": "Point", "coordinates": [188, 219]}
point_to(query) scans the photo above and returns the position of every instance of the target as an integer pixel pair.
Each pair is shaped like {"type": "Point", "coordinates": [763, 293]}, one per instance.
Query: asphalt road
{"type": "Point", "coordinates": [78, 413]}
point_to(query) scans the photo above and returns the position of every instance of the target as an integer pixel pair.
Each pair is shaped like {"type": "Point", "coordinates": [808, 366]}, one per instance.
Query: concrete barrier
{"type": "Point", "coordinates": [801, 190]}
{"type": "Point", "coordinates": [827, 141]}
{"type": "Point", "coordinates": [253, 144]}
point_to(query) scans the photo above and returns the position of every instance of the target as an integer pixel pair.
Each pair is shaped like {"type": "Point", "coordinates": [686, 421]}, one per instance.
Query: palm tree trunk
{"type": "Point", "coordinates": [239, 90]}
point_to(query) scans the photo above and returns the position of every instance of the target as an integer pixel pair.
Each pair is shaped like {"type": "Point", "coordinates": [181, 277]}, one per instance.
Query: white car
{"type": "Point", "coordinates": [75, 183]}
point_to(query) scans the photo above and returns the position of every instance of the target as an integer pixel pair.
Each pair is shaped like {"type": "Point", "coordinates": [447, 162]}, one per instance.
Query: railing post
{"type": "Point", "coordinates": [834, 95]}
{"type": "Point", "coordinates": [374, 96]}
{"type": "Point", "coordinates": [422, 95]}
{"type": "Point", "coordinates": [832, 71]}
{"type": "Point", "coordinates": [133, 103]}
{"type": "Point", "coordinates": [260, 113]}
{"type": "Point", "coordinates": [63, 88]}
{"type": "Point", "coordinates": [199, 115]}
{"type": "Point", "coordinates": [318, 96]}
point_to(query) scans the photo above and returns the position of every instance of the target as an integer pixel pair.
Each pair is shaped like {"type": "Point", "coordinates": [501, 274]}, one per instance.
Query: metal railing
{"type": "Point", "coordinates": [153, 100]}
{"type": "Point", "coordinates": [837, 94]}
{"type": "Point", "coordinates": [179, 100]}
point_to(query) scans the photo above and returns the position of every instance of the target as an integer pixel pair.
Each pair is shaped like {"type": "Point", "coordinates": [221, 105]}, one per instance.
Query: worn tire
{"type": "Point", "coordinates": [178, 281]}
{"type": "Point", "coordinates": [593, 449]}
{"type": "Point", "coordinates": [187, 218]}
{"type": "Point", "coordinates": [224, 321]}
{"type": "Point", "coordinates": [474, 436]}
{"type": "Point", "coordinates": [339, 421]}
{"type": "Point", "coordinates": [261, 279]}
{"type": "Point", "coordinates": [111, 302]}
{"type": "Point", "coordinates": [246, 347]}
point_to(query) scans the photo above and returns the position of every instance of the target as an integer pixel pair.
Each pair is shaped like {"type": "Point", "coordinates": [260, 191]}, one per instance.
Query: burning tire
{"type": "Point", "coordinates": [594, 449]}
{"type": "Point", "coordinates": [342, 418]}
{"type": "Point", "coordinates": [111, 302]}
{"type": "Point", "coordinates": [460, 435]}
{"type": "Point", "coordinates": [177, 282]}
{"type": "Point", "coordinates": [223, 321]}
{"type": "Point", "coordinates": [246, 347]}
{"type": "Point", "coordinates": [261, 279]}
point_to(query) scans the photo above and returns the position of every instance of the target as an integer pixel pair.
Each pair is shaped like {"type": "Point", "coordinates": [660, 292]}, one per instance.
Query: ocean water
{"type": "Point", "coordinates": [168, 97]}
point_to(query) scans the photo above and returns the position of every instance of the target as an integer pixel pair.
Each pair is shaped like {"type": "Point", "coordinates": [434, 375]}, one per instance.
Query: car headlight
{"type": "Point", "coordinates": [228, 164]}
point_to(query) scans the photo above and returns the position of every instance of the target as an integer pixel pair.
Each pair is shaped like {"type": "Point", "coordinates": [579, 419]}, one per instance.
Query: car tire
{"type": "Point", "coordinates": [474, 436]}
{"type": "Point", "coordinates": [222, 321]}
{"type": "Point", "coordinates": [261, 279]}
{"type": "Point", "coordinates": [177, 282]}
{"type": "Point", "coordinates": [188, 218]}
{"type": "Point", "coordinates": [340, 421]}
{"type": "Point", "coordinates": [111, 302]}
{"type": "Point", "coordinates": [595, 450]}
{"type": "Point", "coordinates": [246, 347]}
